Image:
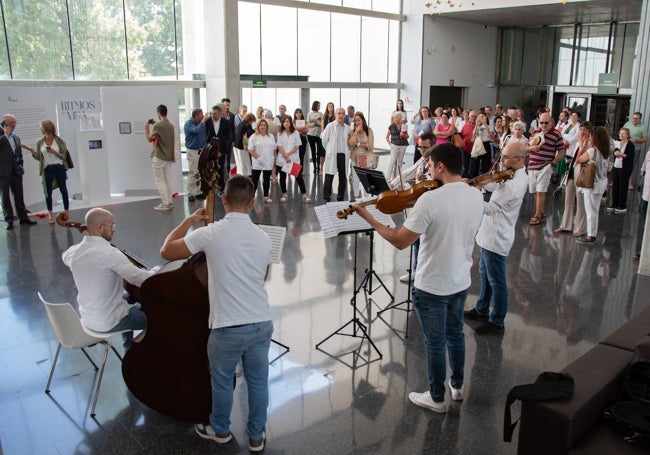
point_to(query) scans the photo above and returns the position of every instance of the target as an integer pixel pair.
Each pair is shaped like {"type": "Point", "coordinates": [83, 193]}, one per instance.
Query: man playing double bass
{"type": "Point", "coordinates": [240, 317]}
{"type": "Point", "coordinates": [98, 269]}
{"type": "Point", "coordinates": [442, 278]}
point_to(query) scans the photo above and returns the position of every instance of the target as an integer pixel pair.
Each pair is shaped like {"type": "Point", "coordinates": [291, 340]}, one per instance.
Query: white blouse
{"type": "Point", "coordinates": [287, 142]}
{"type": "Point", "coordinates": [51, 158]}
{"type": "Point", "coordinates": [265, 147]}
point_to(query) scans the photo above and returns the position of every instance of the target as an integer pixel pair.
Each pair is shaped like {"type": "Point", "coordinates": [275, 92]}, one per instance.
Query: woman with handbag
{"type": "Point", "coordinates": [289, 144]}
{"type": "Point", "coordinates": [591, 181]}
{"type": "Point", "coordinates": [571, 198]}
{"type": "Point", "coordinates": [621, 172]}
{"type": "Point", "coordinates": [481, 159]}
{"type": "Point", "coordinates": [362, 143]}
{"type": "Point", "coordinates": [397, 137]}
{"type": "Point", "coordinates": [52, 153]}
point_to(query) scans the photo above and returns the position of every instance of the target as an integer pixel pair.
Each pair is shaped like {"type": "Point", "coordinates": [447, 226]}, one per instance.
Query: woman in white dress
{"type": "Point", "coordinates": [261, 146]}
{"type": "Point", "coordinates": [288, 146]}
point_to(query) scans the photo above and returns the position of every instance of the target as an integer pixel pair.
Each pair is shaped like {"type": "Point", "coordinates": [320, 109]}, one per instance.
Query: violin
{"type": "Point", "coordinates": [393, 201]}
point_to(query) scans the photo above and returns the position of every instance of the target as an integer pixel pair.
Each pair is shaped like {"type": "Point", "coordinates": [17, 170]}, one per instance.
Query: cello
{"type": "Point", "coordinates": [167, 366]}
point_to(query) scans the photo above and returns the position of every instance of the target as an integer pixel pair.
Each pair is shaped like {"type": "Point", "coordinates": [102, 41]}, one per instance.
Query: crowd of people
{"type": "Point", "coordinates": [452, 146]}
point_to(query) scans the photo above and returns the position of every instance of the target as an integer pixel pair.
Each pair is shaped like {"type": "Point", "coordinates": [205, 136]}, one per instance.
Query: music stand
{"type": "Point", "coordinates": [374, 183]}
{"type": "Point", "coordinates": [332, 226]}
{"type": "Point", "coordinates": [407, 301]}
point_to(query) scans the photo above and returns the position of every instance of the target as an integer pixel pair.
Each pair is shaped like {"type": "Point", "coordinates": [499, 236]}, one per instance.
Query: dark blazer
{"type": "Point", "coordinates": [224, 134]}
{"type": "Point", "coordinates": [10, 161]}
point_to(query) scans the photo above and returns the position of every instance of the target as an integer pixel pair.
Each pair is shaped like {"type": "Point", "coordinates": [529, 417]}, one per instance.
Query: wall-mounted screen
{"type": "Point", "coordinates": [95, 144]}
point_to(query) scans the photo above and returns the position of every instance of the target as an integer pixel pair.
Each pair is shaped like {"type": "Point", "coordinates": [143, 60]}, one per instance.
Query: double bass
{"type": "Point", "coordinates": [167, 366]}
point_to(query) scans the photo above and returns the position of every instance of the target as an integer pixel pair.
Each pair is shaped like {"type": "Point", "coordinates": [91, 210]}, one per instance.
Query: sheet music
{"type": "Point", "coordinates": [276, 234]}
{"type": "Point", "coordinates": [331, 225]}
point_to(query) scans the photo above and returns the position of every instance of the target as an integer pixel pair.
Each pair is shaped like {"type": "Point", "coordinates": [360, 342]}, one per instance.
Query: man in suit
{"type": "Point", "coordinates": [11, 173]}
{"type": "Point", "coordinates": [219, 126]}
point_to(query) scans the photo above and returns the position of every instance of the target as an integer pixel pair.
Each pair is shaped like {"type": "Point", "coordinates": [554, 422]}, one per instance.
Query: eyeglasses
{"type": "Point", "coordinates": [544, 123]}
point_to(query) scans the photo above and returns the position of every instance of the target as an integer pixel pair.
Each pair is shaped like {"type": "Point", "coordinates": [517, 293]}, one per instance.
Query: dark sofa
{"type": "Point", "coordinates": [576, 426]}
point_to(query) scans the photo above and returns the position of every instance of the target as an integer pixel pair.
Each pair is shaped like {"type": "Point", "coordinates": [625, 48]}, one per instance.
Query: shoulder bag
{"type": "Point", "coordinates": [587, 175]}
{"type": "Point", "coordinates": [457, 140]}
{"type": "Point", "coordinates": [478, 149]}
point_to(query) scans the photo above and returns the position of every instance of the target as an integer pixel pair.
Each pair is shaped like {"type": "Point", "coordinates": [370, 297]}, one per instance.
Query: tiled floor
{"type": "Point", "coordinates": [342, 398]}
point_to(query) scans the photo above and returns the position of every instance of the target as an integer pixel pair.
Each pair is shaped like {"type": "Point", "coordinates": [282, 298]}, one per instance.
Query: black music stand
{"type": "Point", "coordinates": [374, 183]}
{"type": "Point", "coordinates": [359, 330]}
{"type": "Point", "coordinates": [407, 301]}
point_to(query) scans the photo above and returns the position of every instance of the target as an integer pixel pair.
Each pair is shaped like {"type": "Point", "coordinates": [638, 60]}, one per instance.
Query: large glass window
{"type": "Point", "coordinates": [564, 48]}
{"type": "Point", "coordinates": [249, 38]}
{"type": "Point", "coordinates": [98, 39]}
{"type": "Point", "coordinates": [374, 50]}
{"type": "Point", "coordinates": [591, 55]}
{"type": "Point", "coordinates": [279, 40]}
{"type": "Point", "coordinates": [314, 45]}
{"type": "Point", "coordinates": [346, 51]}
{"type": "Point", "coordinates": [38, 37]}
{"type": "Point", "coordinates": [152, 38]}
{"type": "Point", "coordinates": [5, 73]}
{"type": "Point", "coordinates": [623, 52]}
{"type": "Point", "coordinates": [537, 68]}
{"type": "Point", "coordinates": [511, 56]}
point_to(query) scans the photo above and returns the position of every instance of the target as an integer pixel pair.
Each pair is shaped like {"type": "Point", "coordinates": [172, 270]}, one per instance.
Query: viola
{"type": "Point", "coordinates": [393, 201]}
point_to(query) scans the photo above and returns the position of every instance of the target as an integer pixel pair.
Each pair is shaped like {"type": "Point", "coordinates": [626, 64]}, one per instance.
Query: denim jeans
{"type": "Point", "coordinates": [492, 268]}
{"type": "Point", "coordinates": [441, 319]}
{"type": "Point", "coordinates": [226, 347]}
{"type": "Point", "coordinates": [135, 319]}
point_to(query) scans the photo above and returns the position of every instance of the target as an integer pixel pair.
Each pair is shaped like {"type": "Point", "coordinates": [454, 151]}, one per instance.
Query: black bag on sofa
{"type": "Point", "coordinates": [631, 413]}
{"type": "Point", "coordinates": [547, 386]}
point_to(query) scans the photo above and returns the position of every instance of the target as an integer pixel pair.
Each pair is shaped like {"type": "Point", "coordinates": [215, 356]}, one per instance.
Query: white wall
{"type": "Point", "coordinates": [411, 63]}
{"type": "Point", "coordinates": [463, 52]}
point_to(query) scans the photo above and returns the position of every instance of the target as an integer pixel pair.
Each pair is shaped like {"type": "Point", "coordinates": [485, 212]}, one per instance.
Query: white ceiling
{"type": "Point", "coordinates": [595, 11]}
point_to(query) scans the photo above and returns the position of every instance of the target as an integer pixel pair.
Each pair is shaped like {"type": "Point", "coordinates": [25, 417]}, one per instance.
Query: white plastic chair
{"type": "Point", "coordinates": [73, 335]}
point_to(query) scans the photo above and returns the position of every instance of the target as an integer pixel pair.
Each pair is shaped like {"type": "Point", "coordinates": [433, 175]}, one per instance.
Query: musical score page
{"type": "Point", "coordinates": [276, 234]}
{"type": "Point", "coordinates": [331, 225]}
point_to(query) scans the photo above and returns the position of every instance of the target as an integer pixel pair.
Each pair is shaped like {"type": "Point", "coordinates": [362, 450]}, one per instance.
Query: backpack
{"type": "Point", "coordinates": [630, 415]}
{"type": "Point", "coordinates": [547, 386]}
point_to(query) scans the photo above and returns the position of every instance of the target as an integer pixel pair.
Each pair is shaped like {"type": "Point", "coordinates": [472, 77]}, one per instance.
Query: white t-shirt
{"type": "Point", "coordinates": [497, 231]}
{"type": "Point", "coordinates": [98, 270]}
{"type": "Point", "coordinates": [51, 158]}
{"type": "Point", "coordinates": [237, 253]}
{"type": "Point", "coordinates": [447, 220]}
{"type": "Point", "coordinates": [265, 146]}
{"type": "Point", "coordinates": [287, 142]}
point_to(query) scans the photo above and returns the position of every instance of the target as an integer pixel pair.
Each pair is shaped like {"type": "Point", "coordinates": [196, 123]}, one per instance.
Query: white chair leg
{"type": "Point", "coordinates": [100, 373]}
{"type": "Point", "coordinates": [90, 358]}
{"type": "Point", "coordinates": [56, 357]}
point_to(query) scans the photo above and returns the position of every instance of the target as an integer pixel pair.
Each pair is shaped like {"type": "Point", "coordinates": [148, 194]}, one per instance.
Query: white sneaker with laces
{"type": "Point", "coordinates": [405, 278]}
{"type": "Point", "coordinates": [424, 400]}
{"type": "Point", "coordinates": [456, 394]}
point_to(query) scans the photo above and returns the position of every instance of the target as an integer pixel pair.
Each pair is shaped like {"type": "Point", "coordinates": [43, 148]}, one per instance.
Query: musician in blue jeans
{"type": "Point", "coordinates": [240, 316]}
{"type": "Point", "coordinates": [442, 278]}
{"type": "Point", "coordinates": [495, 238]}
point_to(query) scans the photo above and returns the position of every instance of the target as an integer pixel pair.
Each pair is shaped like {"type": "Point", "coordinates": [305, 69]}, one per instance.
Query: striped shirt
{"type": "Point", "coordinates": [553, 144]}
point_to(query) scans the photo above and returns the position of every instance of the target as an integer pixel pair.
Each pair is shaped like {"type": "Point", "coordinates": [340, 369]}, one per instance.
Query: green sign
{"type": "Point", "coordinates": [608, 83]}
{"type": "Point", "coordinates": [259, 84]}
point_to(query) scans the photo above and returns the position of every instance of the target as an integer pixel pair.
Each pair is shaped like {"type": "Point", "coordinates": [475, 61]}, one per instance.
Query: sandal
{"type": "Point", "coordinates": [534, 221]}
{"type": "Point", "coordinates": [306, 199]}
{"type": "Point", "coordinates": [50, 219]}
{"type": "Point", "coordinates": [284, 199]}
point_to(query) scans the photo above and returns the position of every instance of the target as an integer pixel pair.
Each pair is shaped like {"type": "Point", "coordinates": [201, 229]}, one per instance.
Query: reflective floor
{"type": "Point", "coordinates": [347, 397]}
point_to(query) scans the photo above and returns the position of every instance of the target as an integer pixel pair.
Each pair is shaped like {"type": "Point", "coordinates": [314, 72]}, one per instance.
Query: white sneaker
{"type": "Point", "coordinates": [424, 400]}
{"type": "Point", "coordinates": [162, 207]}
{"type": "Point", "coordinates": [456, 394]}
{"type": "Point", "coordinates": [405, 278]}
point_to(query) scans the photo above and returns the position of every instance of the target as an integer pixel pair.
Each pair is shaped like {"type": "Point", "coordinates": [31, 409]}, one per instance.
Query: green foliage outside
{"type": "Point", "coordinates": [39, 39]}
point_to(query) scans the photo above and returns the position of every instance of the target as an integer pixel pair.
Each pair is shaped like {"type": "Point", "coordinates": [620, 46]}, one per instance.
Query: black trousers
{"type": "Point", "coordinates": [13, 184]}
{"type": "Point", "coordinates": [341, 167]}
{"type": "Point", "coordinates": [620, 183]}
